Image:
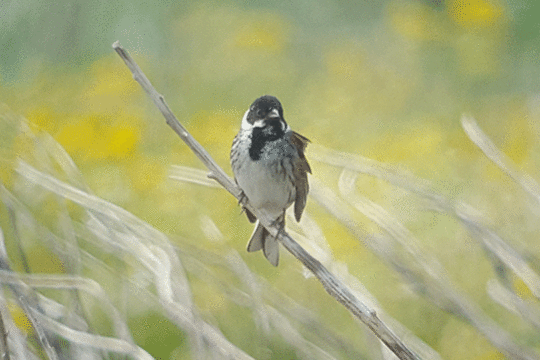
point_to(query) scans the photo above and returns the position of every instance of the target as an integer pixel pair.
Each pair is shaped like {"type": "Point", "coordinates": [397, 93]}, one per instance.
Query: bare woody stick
{"type": "Point", "coordinates": [329, 281]}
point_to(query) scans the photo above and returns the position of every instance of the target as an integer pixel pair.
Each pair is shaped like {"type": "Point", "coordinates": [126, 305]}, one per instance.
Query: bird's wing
{"type": "Point", "coordinates": [301, 168]}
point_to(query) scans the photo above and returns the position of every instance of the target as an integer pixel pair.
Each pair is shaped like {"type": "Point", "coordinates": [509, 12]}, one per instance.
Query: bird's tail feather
{"type": "Point", "coordinates": [261, 239]}
{"type": "Point", "coordinates": [256, 242]}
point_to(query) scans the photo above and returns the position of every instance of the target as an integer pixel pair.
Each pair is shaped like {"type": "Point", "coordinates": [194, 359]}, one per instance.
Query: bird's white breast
{"type": "Point", "coordinates": [265, 183]}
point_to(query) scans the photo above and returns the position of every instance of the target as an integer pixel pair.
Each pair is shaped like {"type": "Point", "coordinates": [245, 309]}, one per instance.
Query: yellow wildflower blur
{"type": "Point", "coordinates": [475, 14]}
{"type": "Point", "coordinates": [521, 289]}
{"type": "Point", "coordinates": [19, 318]}
{"type": "Point", "coordinates": [93, 137]}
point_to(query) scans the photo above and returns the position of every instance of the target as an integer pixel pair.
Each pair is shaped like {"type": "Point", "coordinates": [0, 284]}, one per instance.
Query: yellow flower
{"type": "Point", "coordinates": [19, 318]}
{"type": "Point", "coordinates": [76, 136]}
{"type": "Point", "coordinates": [94, 137]}
{"type": "Point", "coordinates": [521, 289]}
{"type": "Point", "coordinates": [475, 14]}
{"type": "Point", "coordinates": [121, 141]}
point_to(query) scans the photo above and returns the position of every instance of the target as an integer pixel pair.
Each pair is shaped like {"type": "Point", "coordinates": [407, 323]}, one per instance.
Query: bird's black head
{"type": "Point", "coordinates": [265, 108]}
{"type": "Point", "coordinates": [265, 121]}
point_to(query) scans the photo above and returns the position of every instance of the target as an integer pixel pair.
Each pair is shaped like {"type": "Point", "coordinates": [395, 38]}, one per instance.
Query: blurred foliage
{"type": "Point", "coordinates": [388, 80]}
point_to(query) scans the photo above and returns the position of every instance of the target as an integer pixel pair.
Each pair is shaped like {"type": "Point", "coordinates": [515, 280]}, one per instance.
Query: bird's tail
{"type": "Point", "coordinates": [261, 239]}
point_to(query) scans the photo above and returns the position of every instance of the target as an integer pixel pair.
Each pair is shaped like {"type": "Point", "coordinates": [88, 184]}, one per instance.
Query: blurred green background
{"type": "Point", "coordinates": [387, 80]}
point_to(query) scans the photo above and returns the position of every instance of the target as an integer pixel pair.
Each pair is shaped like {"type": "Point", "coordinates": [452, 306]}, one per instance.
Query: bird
{"type": "Point", "coordinates": [270, 168]}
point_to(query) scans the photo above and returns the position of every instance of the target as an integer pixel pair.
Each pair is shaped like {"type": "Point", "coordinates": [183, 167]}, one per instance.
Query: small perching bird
{"type": "Point", "coordinates": [269, 166]}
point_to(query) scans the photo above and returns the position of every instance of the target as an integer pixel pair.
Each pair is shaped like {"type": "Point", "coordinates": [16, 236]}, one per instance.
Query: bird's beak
{"type": "Point", "coordinates": [273, 115]}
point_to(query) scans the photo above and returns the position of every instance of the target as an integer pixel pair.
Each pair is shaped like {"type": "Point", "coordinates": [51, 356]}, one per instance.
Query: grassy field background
{"type": "Point", "coordinates": [386, 80]}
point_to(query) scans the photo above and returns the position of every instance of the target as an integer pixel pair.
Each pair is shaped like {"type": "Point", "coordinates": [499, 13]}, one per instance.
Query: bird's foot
{"type": "Point", "coordinates": [242, 198]}
{"type": "Point", "coordinates": [280, 225]}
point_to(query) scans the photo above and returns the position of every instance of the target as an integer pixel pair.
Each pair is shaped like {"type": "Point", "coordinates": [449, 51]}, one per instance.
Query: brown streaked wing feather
{"type": "Point", "coordinates": [300, 142]}
{"type": "Point", "coordinates": [301, 168]}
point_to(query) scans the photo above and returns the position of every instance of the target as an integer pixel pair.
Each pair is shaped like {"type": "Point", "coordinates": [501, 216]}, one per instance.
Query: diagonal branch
{"type": "Point", "coordinates": [329, 281]}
